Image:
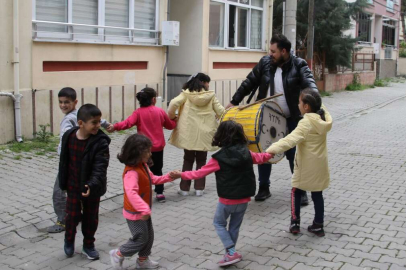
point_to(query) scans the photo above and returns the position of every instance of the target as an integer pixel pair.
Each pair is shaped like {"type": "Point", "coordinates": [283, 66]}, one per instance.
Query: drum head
{"type": "Point", "coordinates": [273, 128]}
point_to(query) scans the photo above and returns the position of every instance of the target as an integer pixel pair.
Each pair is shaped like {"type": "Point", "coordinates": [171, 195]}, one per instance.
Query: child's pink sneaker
{"type": "Point", "coordinates": [228, 259]}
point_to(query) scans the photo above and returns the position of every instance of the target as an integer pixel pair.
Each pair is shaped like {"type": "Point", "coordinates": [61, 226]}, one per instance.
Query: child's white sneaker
{"type": "Point", "coordinates": [116, 261]}
{"type": "Point", "coordinates": [199, 193]}
{"type": "Point", "coordinates": [147, 264]}
{"type": "Point", "coordinates": [183, 193]}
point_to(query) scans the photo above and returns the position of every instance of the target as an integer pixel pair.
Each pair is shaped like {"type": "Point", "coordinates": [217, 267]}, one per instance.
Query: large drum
{"type": "Point", "coordinates": [264, 124]}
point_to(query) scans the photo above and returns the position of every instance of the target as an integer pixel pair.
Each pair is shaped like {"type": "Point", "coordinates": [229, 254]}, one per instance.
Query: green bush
{"type": "Point", "coordinates": [381, 83]}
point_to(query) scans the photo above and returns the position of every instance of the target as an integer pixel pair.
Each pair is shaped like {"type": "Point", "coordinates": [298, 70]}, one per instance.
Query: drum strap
{"type": "Point", "coordinates": [272, 84]}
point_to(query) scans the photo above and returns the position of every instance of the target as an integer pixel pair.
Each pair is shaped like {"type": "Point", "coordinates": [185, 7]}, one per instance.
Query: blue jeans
{"type": "Point", "coordinates": [264, 170]}
{"type": "Point", "coordinates": [236, 213]}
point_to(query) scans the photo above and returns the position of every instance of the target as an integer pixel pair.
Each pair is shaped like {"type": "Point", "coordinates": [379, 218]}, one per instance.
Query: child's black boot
{"type": "Point", "coordinates": [294, 226]}
{"type": "Point", "coordinates": [317, 229]}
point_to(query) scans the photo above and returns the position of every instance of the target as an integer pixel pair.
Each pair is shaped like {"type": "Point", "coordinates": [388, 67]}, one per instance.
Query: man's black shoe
{"type": "Point", "coordinates": [263, 194]}
{"type": "Point", "coordinates": [305, 199]}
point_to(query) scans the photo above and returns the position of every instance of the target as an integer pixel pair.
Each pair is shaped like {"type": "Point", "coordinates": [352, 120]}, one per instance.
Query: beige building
{"type": "Point", "coordinates": [110, 49]}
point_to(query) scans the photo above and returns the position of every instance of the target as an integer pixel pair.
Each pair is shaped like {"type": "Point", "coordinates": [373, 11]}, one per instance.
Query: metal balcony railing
{"type": "Point", "coordinates": [84, 33]}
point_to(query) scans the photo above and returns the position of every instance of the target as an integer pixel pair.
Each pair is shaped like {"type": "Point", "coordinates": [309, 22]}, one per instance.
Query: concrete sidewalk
{"type": "Point", "coordinates": [365, 213]}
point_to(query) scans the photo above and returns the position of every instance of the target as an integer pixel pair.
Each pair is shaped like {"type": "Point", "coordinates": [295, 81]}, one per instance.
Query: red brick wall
{"type": "Point", "coordinates": [337, 82]}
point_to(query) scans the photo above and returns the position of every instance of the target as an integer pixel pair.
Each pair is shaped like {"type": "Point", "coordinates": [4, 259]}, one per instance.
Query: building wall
{"type": "Point", "coordinates": [402, 67]}
{"type": "Point", "coordinates": [187, 57]}
{"type": "Point", "coordinates": [386, 68]}
{"type": "Point", "coordinates": [113, 90]}
{"type": "Point", "coordinates": [51, 51]}
{"type": "Point", "coordinates": [236, 57]}
{"type": "Point", "coordinates": [338, 82]}
{"type": "Point", "coordinates": [6, 45]}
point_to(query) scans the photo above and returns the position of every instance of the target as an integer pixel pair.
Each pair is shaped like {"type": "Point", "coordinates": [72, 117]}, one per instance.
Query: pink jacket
{"type": "Point", "coordinates": [213, 166]}
{"type": "Point", "coordinates": [149, 121]}
{"type": "Point", "coordinates": [131, 189]}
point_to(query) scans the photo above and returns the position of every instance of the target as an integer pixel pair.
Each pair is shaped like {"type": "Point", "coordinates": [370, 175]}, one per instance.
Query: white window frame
{"type": "Point", "coordinates": [70, 36]}
{"type": "Point", "coordinates": [249, 7]}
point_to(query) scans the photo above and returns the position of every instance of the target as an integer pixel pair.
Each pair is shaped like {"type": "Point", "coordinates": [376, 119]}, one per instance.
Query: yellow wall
{"type": "Point", "coordinates": [6, 45]}
{"type": "Point", "coordinates": [48, 51]}
{"type": "Point", "coordinates": [231, 56]}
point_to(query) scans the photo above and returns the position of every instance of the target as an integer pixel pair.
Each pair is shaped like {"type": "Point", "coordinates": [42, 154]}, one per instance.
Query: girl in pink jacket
{"type": "Point", "coordinates": [137, 182]}
{"type": "Point", "coordinates": [149, 120]}
{"type": "Point", "coordinates": [235, 180]}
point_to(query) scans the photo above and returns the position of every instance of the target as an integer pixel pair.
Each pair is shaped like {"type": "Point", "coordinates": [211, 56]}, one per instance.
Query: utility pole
{"type": "Point", "coordinates": [290, 22]}
{"type": "Point", "coordinates": [310, 34]}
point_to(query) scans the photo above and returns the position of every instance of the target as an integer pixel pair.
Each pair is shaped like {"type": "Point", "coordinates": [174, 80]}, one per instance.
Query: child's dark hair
{"type": "Point", "coordinates": [145, 96]}
{"type": "Point", "coordinates": [87, 112]}
{"type": "Point", "coordinates": [133, 149]}
{"type": "Point", "coordinates": [229, 133]}
{"type": "Point", "coordinates": [313, 99]}
{"type": "Point", "coordinates": [68, 93]}
{"type": "Point", "coordinates": [196, 82]}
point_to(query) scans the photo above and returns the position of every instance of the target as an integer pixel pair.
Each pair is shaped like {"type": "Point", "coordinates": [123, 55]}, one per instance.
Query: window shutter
{"type": "Point", "coordinates": [85, 12]}
{"type": "Point", "coordinates": [52, 11]}
{"type": "Point", "coordinates": [117, 14]}
{"type": "Point", "coordinates": [144, 17]}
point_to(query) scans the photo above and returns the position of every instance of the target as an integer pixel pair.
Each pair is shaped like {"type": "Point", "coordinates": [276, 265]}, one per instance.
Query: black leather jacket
{"type": "Point", "coordinates": [95, 161]}
{"type": "Point", "coordinates": [296, 76]}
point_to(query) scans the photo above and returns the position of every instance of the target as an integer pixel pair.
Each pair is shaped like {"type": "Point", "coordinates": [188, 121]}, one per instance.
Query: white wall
{"type": "Point", "coordinates": [187, 58]}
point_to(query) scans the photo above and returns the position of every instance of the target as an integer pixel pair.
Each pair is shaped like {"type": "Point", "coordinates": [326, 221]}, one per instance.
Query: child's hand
{"type": "Point", "coordinates": [87, 192]}
{"type": "Point", "coordinates": [175, 174]}
{"type": "Point", "coordinates": [110, 128]}
{"type": "Point", "coordinates": [146, 217]}
{"type": "Point", "coordinates": [272, 155]}
{"type": "Point", "coordinates": [176, 118]}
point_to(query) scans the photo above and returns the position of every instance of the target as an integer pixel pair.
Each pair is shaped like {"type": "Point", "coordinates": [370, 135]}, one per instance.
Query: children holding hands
{"type": "Point", "coordinates": [137, 182]}
{"type": "Point", "coordinates": [311, 172]}
{"type": "Point", "coordinates": [150, 121]}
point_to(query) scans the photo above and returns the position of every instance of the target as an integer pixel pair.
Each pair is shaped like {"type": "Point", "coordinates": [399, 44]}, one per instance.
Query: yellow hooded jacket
{"type": "Point", "coordinates": [197, 120]}
{"type": "Point", "coordinates": [311, 172]}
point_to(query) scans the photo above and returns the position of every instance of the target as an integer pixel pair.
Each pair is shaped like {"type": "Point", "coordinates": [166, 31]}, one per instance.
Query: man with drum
{"type": "Point", "coordinates": [278, 72]}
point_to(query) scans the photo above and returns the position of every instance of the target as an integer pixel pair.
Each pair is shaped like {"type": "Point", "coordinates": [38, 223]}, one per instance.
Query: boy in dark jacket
{"type": "Point", "coordinates": [82, 173]}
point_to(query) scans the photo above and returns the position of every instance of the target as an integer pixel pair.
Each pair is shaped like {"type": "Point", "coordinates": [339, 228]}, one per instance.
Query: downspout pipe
{"type": "Point", "coordinates": [166, 56]}
{"type": "Point", "coordinates": [16, 64]}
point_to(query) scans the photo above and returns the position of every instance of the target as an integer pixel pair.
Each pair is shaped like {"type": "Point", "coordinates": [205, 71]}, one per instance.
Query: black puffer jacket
{"type": "Point", "coordinates": [296, 76]}
{"type": "Point", "coordinates": [95, 161]}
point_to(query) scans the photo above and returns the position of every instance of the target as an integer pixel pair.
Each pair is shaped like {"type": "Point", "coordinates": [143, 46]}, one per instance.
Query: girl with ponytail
{"type": "Point", "coordinates": [311, 172]}
{"type": "Point", "coordinates": [150, 121]}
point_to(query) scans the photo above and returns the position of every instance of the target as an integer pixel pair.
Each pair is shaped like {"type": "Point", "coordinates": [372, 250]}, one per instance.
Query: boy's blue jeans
{"type": "Point", "coordinates": [236, 213]}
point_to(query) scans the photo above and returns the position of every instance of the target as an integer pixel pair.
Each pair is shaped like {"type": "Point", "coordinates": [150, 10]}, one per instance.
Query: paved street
{"type": "Point", "coordinates": [365, 210]}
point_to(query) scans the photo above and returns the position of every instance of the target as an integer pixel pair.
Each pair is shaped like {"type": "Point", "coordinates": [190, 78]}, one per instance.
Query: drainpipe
{"type": "Point", "coordinates": [16, 63]}
{"type": "Point", "coordinates": [166, 56]}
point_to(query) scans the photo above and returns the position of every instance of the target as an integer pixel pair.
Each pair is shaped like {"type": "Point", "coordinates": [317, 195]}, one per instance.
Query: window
{"type": "Point", "coordinates": [364, 27]}
{"type": "Point", "coordinates": [216, 25]}
{"type": "Point", "coordinates": [236, 24]}
{"type": "Point", "coordinates": [52, 11]}
{"type": "Point", "coordinates": [389, 32]}
{"type": "Point", "coordinates": [101, 21]}
{"type": "Point", "coordinates": [389, 6]}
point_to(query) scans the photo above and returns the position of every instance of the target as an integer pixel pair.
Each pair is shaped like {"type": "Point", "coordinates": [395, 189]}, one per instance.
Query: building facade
{"type": "Point", "coordinates": [378, 28]}
{"type": "Point", "coordinates": [110, 49]}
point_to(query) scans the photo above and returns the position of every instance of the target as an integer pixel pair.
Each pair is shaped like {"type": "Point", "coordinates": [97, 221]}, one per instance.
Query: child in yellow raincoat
{"type": "Point", "coordinates": [198, 108]}
{"type": "Point", "coordinates": [311, 172]}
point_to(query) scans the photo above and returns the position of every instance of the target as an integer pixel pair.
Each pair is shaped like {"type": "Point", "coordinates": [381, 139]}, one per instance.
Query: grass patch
{"type": "Point", "coordinates": [358, 87]}
{"type": "Point", "coordinates": [40, 147]}
{"type": "Point", "coordinates": [18, 157]}
{"type": "Point", "coordinates": [325, 94]}
{"type": "Point", "coordinates": [381, 82]}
